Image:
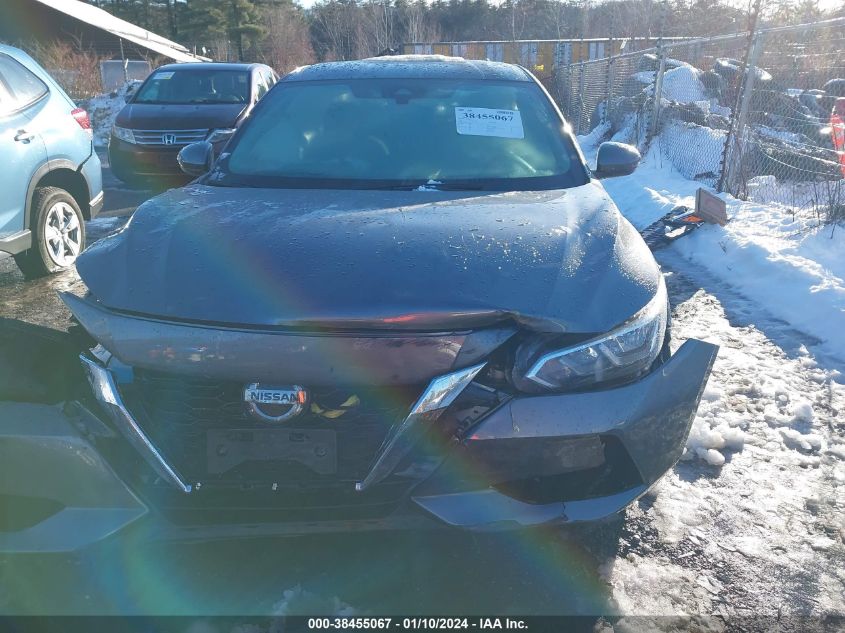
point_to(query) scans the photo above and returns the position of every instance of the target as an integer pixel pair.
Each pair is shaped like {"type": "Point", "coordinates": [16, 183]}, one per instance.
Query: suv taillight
{"type": "Point", "coordinates": [81, 117]}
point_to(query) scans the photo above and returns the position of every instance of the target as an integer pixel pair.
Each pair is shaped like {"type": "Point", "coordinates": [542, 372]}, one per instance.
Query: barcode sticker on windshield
{"type": "Point", "coordinates": [489, 122]}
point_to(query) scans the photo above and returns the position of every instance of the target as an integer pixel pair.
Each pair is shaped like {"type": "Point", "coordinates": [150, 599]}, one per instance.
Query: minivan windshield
{"type": "Point", "coordinates": [195, 85]}
{"type": "Point", "coordinates": [403, 133]}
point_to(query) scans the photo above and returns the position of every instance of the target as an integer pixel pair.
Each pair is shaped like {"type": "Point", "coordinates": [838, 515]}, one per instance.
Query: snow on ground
{"type": "Point", "coordinates": [104, 108]}
{"type": "Point", "coordinates": [757, 526]}
{"type": "Point", "coordinates": [675, 146]}
{"type": "Point", "coordinates": [683, 85]}
{"type": "Point", "coordinates": [783, 261]}
{"type": "Point", "coordinates": [752, 519]}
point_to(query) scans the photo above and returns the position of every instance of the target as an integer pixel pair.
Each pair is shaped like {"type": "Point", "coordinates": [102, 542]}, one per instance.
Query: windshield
{"type": "Point", "coordinates": [195, 86]}
{"type": "Point", "coordinates": [395, 133]}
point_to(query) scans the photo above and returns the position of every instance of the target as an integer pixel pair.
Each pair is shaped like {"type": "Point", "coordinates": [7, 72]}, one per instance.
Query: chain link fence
{"type": "Point", "coordinates": [753, 114]}
{"type": "Point", "coordinates": [699, 92]}
{"type": "Point", "coordinates": [785, 149]}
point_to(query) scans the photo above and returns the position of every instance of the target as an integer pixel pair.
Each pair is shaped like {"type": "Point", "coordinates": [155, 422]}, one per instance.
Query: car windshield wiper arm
{"type": "Point", "coordinates": [414, 185]}
{"type": "Point", "coordinates": [457, 186]}
{"type": "Point", "coordinates": [435, 186]}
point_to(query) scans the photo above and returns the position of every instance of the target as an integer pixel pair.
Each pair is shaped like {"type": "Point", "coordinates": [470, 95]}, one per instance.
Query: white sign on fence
{"type": "Point", "coordinates": [114, 76]}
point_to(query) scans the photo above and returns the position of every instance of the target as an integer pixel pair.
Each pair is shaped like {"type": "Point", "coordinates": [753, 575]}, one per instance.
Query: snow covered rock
{"type": "Point", "coordinates": [683, 84]}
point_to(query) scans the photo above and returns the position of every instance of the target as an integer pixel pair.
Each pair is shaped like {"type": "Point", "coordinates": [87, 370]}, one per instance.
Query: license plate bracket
{"type": "Point", "coordinates": [315, 449]}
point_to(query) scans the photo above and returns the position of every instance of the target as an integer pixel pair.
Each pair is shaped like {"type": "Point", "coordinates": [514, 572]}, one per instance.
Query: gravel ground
{"type": "Point", "coordinates": [760, 531]}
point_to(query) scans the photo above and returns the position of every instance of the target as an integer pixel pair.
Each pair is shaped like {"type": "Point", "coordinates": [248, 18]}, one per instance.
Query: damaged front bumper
{"type": "Point", "coordinates": [530, 460]}
{"type": "Point", "coordinates": [571, 457]}
{"type": "Point", "coordinates": [57, 492]}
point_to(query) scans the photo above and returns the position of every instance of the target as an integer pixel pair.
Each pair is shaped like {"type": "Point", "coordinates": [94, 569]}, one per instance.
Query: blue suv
{"type": "Point", "coordinates": [51, 178]}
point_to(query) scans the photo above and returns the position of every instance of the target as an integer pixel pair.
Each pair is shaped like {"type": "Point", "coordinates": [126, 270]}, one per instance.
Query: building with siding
{"type": "Point", "coordinates": [539, 56]}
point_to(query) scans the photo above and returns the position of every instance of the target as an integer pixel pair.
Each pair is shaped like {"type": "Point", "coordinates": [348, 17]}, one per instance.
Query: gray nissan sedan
{"type": "Point", "coordinates": [398, 296]}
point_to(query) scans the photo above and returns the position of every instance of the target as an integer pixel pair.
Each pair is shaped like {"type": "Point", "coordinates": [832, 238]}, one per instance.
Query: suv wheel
{"type": "Point", "coordinates": [58, 233]}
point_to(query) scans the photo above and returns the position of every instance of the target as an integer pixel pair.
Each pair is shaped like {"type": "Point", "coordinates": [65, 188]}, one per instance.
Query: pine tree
{"type": "Point", "coordinates": [243, 23]}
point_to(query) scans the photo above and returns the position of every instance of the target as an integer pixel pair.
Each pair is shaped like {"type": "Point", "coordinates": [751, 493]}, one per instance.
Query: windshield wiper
{"type": "Point", "coordinates": [433, 185]}
{"type": "Point", "coordinates": [456, 186]}
{"type": "Point", "coordinates": [230, 183]}
{"type": "Point", "coordinates": [300, 180]}
{"type": "Point", "coordinates": [405, 186]}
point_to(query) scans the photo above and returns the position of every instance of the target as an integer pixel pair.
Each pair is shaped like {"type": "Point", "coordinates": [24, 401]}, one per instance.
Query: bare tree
{"type": "Point", "coordinates": [287, 43]}
{"type": "Point", "coordinates": [339, 25]}
{"type": "Point", "coordinates": [77, 69]}
{"type": "Point", "coordinates": [419, 27]}
{"type": "Point", "coordinates": [377, 25]}
{"type": "Point", "coordinates": [517, 11]}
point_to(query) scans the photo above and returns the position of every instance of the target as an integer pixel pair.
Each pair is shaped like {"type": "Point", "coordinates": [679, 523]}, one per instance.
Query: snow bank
{"type": "Point", "coordinates": [792, 267]}
{"type": "Point", "coordinates": [104, 108]}
{"type": "Point", "coordinates": [645, 77]}
{"type": "Point", "coordinates": [751, 518]}
{"type": "Point", "coordinates": [755, 506]}
{"type": "Point", "coordinates": [590, 142]}
{"type": "Point", "coordinates": [683, 85]}
{"type": "Point", "coordinates": [789, 266]}
{"type": "Point", "coordinates": [651, 191]}
{"type": "Point", "coordinates": [694, 150]}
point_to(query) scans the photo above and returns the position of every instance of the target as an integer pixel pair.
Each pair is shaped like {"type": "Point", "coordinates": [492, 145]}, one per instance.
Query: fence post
{"type": "Point", "coordinates": [733, 153]}
{"type": "Point", "coordinates": [567, 82]}
{"type": "Point", "coordinates": [125, 62]}
{"type": "Point", "coordinates": [609, 99]}
{"type": "Point", "coordinates": [563, 79]}
{"type": "Point", "coordinates": [658, 88]}
{"type": "Point", "coordinates": [580, 95]}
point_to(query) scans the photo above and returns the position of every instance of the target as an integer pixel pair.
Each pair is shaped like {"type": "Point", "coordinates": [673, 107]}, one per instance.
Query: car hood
{"type": "Point", "coordinates": [555, 261]}
{"type": "Point", "coordinates": [150, 116]}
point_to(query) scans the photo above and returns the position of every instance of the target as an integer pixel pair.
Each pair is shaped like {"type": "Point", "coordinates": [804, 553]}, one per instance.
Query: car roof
{"type": "Point", "coordinates": [32, 65]}
{"type": "Point", "coordinates": [211, 66]}
{"type": "Point", "coordinates": [13, 52]}
{"type": "Point", "coordinates": [411, 67]}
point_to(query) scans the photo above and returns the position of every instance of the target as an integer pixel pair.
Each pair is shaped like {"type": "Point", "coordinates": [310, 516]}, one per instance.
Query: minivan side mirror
{"type": "Point", "coordinates": [195, 159]}
{"type": "Point", "coordinates": [616, 159]}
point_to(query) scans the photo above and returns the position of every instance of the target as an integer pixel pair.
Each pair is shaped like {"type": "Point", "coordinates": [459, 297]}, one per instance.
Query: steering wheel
{"type": "Point", "coordinates": [361, 161]}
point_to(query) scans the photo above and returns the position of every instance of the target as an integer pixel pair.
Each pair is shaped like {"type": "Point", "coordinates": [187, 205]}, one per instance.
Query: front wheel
{"type": "Point", "coordinates": [58, 233]}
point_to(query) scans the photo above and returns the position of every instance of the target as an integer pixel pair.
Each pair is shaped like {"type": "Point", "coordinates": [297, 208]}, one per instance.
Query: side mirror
{"type": "Point", "coordinates": [616, 159]}
{"type": "Point", "coordinates": [195, 159]}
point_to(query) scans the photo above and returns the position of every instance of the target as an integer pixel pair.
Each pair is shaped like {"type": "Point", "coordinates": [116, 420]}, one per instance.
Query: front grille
{"type": "Point", "coordinates": [169, 138]}
{"type": "Point", "coordinates": [180, 414]}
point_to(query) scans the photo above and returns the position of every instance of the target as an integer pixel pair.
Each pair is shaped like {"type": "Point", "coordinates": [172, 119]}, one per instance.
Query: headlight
{"type": "Point", "coordinates": [623, 353]}
{"type": "Point", "coordinates": [221, 134]}
{"type": "Point", "coordinates": [123, 134]}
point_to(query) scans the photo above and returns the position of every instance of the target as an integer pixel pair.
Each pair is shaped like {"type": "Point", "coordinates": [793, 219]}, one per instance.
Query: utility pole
{"type": "Point", "coordinates": [731, 152]}
{"type": "Point", "coordinates": [658, 76]}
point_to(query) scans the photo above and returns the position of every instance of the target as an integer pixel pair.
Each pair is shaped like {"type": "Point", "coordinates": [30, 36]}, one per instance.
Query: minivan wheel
{"type": "Point", "coordinates": [58, 233]}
